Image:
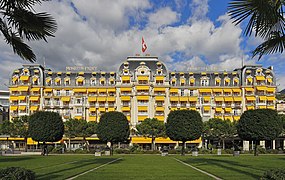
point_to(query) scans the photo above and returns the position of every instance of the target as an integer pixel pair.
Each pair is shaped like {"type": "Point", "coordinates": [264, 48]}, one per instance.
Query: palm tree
{"type": "Point", "coordinates": [264, 19]}
{"type": "Point", "coordinates": [19, 22]}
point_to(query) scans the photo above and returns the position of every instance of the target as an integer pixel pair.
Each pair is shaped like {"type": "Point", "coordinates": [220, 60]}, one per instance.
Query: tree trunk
{"type": "Point", "coordinates": [183, 148]}
{"type": "Point", "coordinates": [25, 144]}
{"type": "Point", "coordinates": [86, 144]}
{"type": "Point", "coordinates": [111, 149]}
{"type": "Point", "coordinates": [152, 143]}
{"type": "Point", "coordinates": [223, 143]}
{"type": "Point", "coordinates": [69, 144]}
{"type": "Point", "coordinates": [255, 148]}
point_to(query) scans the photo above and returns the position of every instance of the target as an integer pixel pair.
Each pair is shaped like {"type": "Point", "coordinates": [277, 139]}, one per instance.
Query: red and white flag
{"type": "Point", "coordinates": [144, 47]}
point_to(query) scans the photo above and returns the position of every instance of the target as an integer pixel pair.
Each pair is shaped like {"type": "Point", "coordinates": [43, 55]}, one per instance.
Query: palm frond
{"type": "Point", "coordinates": [32, 26]}
{"type": "Point", "coordinates": [19, 47]}
{"type": "Point", "coordinates": [264, 16]}
{"type": "Point", "coordinates": [275, 44]}
{"type": "Point", "coordinates": [23, 4]}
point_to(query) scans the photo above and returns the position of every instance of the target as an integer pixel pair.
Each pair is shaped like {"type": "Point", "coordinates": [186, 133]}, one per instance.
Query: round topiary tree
{"type": "Point", "coordinates": [184, 125]}
{"type": "Point", "coordinates": [46, 126]}
{"type": "Point", "coordinates": [113, 127]}
{"type": "Point", "coordinates": [259, 124]}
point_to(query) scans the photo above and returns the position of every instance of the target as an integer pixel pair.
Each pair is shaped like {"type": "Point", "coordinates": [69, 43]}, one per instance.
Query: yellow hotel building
{"type": "Point", "coordinates": [143, 87]}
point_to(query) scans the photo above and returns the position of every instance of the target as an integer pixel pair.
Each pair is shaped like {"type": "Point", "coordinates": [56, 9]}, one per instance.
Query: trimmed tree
{"type": "Point", "coordinates": [184, 125]}
{"type": "Point", "coordinates": [46, 126]}
{"type": "Point", "coordinates": [113, 127]}
{"type": "Point", "coordinates": [152, 128]}
{"type": "Point", "coordinates": [259, 124]}
{"type": "Point", "coordinates": [20, 128]}
{"type": "Point", "coordinates": [217, 128]}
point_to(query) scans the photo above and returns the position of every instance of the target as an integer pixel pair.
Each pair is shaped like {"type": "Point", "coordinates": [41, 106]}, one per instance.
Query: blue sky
{"type": "Point", "coordinates": [184, 34]}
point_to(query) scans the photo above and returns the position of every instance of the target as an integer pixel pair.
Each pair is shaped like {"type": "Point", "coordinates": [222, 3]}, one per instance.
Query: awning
{"type": "Point", "coordinates": [80, 80]}
{"type": "Point", "coordinates": [228, 99]}
{"type": "Point", "coordinates": [218, 80]}
{"type": "Point", "coordinates": [35, 89]}
{"type": "Point", "coordinates": [13, 108]}
{"type": "Point", "coordinates": [111, 99]}
{"type": "Point", "coordinates": [172, 90]}
{"type": "Point", "coordinates": [23, 88]}
{"type": "Point", "coordinates": [141, 98]}
{"type": "Point", "coordinates": [237, 90]}
{"type": "Point", "coordinates": [250, 79]}
{"type": "Point", "coordinates": [34, 108]}
{"type": "Point", "coordinates": [101, 99]}
{"type": "Point", "coordinates": [24, 78]}
{"type": "Point", "coordinates": [159, 109]}
{"type": "Point", "coordinates": [261, 107]}
{"type": "Point", "coordinates": [271, 98]}
{"type": "Point", "coordinates": [126, 89]}
{"type": "Point", "coordinates": [66, 79]}
{"type": "Point", "coordinates": [260, 78]}
{"type": "Point", "coordinates": [35, 79]}
{"type": "Point", "coordinates": [193, 108]}
{"type": "Point", "coordinates": [141, 118]}
{"type": "Point", "coordinates": [207, 108]}
{"type": "Point", "coordinates": [237, 99]}
{"type": "Point", "coordinates": [219, 99]}
{"type": "Point", "coordinates": [261, 88]}
{"type": "Point", "coordinates": [34, 98]}
{"type": "Point", "coordinates": [228, 109]}
{"type": "Point", "coordinates": [81, 90]}
{"type": "Point", "coordinates": [92, 98]}
{"type": "Point", "coordinates": [269, 80]}
{"type": "Point", "coordinates": [59, 73]}
{"type": "Point", "coordinates": [228, 90]}
{"type": "Point", "coordinates": [173, 98]}
{"type": "Point", "coordinates": [227, 80]}
{"type": "Point", "coordinates": [250, 98]}
{"type": "Point", "coordinates": [159, 78]}
{"type": "Point", "coordinates": [111, 109]}
{"type": "Point", "coordinates": [48, 80]}
{"type": "Point", "coordinates": [142, 87]}
{"type": "Point", "coordinates": [141, 140]}
{"type": "Point", "coordinates": [13, 98]}
{"type": "Point", "coordinates": [47, 90]}
{"type": "Point", "coordinates": [21, 98]}
{"type": "Point", "coordinates": [236, 80]}
{"type": "Point", "coordinates": [236, 118]}
{"type": "Point", "coordinates": [81, 73]}
{"type": "Point", "coordinates": [92, 109]}
{"type": "Point", "coordinates": [217, 90]}
{"type": "Point", "coordinates": [218, 109]}
{"type": "Point", "coordinates": [205, 90]}
{"type": "Point", "coordinates": [126, 109]}
{"type": "Point", "coordinates": [57, 80]}
{"type": "Point", "coordinates": [14, 79]}
{"type": "Point", "coordinates": [101, 109]}
{"type": "Point", "coordinates": [159, 98]}
{"type": "Point", "coordinates": [192, 80]}
{"type": "Point", "coordinates": [65, 99]}
{"type": "Point", "coordinates": [125, 98]}
{"type": "Point", "coordinates": [22, 107]}
{"type": "Point", "coordinates": [92, 90]}
{"type": "Point", "coordinates": [207, 98]}
{"type": "Point", "coordinates": [192, 99]}
{"type": "Point", "coordinates": [13, 89]}
{"type": "Point", "coordinates": [262, 98]}
{"type": "Point", "coordinates": [111, 90]}
{"type": "Point", "coordinates": [182, 81]}
{"type": "Point", "coordinates": [270, 89]}
{"type": "Point", "coordinates": [183, 98]}
{"type": "Point", "coordinates": [142, 78]}
{"type": "Point", "coordinates": [102, 90]}
{"type": "Point", "coordinates": [142, 108]}
{"type": "Point", "coordinates": [126, 78]}
{"type": "Point", "coordinates": [249, 89]}
{"type": "Point", "coordinates": [157, 89]}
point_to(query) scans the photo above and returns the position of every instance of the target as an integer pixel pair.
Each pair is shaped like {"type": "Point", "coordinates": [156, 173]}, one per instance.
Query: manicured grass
{"type": "Point", "coordinates": [145, 166]}
{"type": "Point", "coordinates": [242, 167]}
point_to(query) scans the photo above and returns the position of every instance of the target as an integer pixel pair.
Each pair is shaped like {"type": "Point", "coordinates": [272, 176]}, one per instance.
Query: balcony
{"type": "Point", "coordinates": [126, 104]}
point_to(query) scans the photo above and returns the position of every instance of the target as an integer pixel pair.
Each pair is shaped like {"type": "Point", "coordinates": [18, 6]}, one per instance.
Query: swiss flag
{"type": "Point", "coordinates": [144, 47]}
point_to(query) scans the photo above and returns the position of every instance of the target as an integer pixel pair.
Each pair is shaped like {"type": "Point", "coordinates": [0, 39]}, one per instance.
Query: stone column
{"type": "Point", "coordinates": [273, 144]}
{"type": "Point", "coordinates": [262, 144]}
{"type": "Point", "coordinates": [246, 145]}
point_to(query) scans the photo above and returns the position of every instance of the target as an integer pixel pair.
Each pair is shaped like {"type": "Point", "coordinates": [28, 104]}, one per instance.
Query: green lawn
{"type": "Point", "coordinates": [145, 166]}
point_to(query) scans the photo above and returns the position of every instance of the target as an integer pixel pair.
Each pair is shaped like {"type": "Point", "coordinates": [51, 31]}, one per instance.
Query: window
{"type": "Point", "coordinates": [93, 82]}
{"type": "Point", "coordinates": [67, 92]}
{"type": "Point", "coordinates": [182, 92]}
{"type": "Point", "coordinates": [78, 110]}
{"type": "Point", "coordinates": [58, 92]}
{"type": "Point", "coordinates": [191, 92]}
{"type": "Point", "coordinates": [78, 101]}
{"type": "Point", "coordinates": [204, 82]}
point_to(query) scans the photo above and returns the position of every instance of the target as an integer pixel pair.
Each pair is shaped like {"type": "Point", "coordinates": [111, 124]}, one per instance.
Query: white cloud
{"type": "Point", "coordinates": [163, 17]}
{"type": "Point", "coordinates": [109, 35]}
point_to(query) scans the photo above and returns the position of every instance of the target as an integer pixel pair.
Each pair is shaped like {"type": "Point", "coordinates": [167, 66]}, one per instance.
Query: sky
{"type": "Point", "coordinates": [184, 34]}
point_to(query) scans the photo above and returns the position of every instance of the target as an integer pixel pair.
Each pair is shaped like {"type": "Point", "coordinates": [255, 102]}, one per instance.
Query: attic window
{"type": "Point", "coordinates": [142, 72]}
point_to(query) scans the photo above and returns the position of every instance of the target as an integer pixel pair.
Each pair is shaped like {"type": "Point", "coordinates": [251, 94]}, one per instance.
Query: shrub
{"type": "Point", "coordinates": [274, 174]}
{"type": "Point", "coordinates": [121, 151]}
{"type": "Point", "coordinates": [17, 173]}
{"type": "Point", "coordinates": [80, 151]}
{"type": "Point", "coordinates": [261, 150]}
